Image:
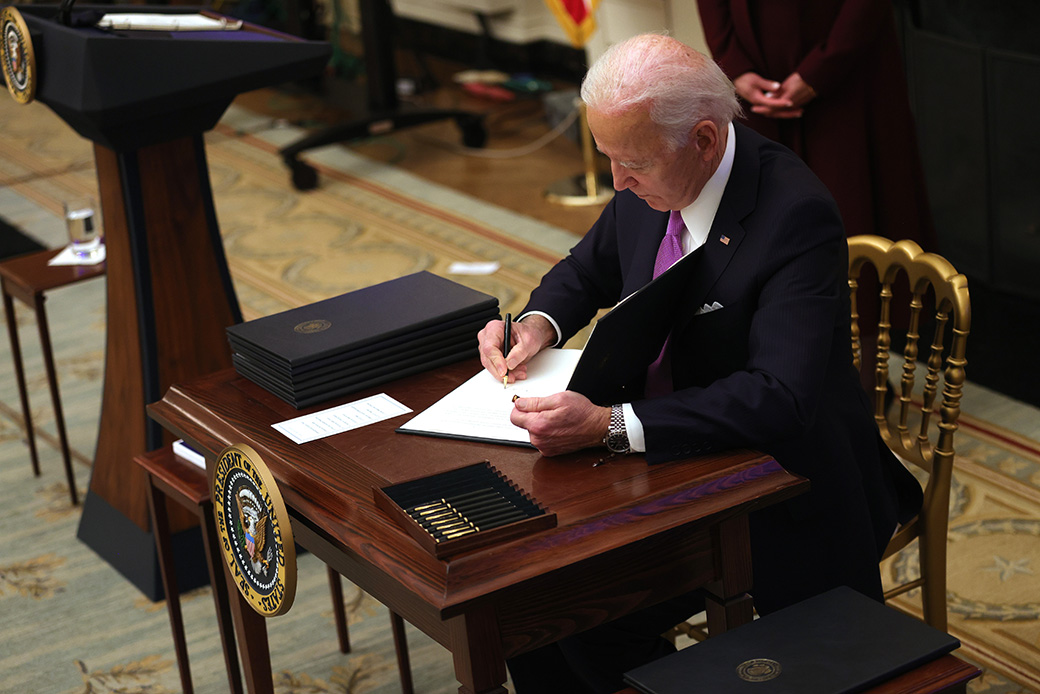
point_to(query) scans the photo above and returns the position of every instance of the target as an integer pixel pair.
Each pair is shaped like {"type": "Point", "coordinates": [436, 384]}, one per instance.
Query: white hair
{"type": "Point", "coordinates": [679, 86]}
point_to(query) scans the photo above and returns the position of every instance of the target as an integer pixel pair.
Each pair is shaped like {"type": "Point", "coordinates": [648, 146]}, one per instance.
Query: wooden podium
{"type": "Point", "coordinates": [144, 99]}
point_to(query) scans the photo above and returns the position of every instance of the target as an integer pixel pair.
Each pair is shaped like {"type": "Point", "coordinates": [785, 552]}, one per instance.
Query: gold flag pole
{"type": "Point", "coordinates": [589, 188]}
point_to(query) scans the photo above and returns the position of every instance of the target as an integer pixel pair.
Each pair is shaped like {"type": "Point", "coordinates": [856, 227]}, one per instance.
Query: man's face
{"type": "Point", "coordinates": [641, 161]}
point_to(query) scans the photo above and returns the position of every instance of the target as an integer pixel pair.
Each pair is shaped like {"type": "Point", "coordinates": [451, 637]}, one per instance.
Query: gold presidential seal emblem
{"type": "Point", "coordinates": [313, 326]}
{"type": "Point", "coordinates": [759, 670]}
{"type": "Point", "coordinates": [255, 535]}
{"type": "Point", "coordinates": [17, 55]}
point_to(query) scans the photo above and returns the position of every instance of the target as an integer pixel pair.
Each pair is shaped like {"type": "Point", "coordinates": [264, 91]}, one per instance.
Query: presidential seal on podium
{"type": "Point", "coordinates": [256, 537]}
{"type": "Point", "coordinates": [17, 56]}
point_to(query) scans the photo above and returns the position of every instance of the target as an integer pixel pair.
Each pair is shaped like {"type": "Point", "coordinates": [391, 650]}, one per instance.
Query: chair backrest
{"type": "Point", "coordinates": [928, 442]}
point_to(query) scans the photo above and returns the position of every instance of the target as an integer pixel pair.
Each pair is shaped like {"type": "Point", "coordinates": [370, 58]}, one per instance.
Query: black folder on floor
{"type": "Point", "coordinates": [835, 643]}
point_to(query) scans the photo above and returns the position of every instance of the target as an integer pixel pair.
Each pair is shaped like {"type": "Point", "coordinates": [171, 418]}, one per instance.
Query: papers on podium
{"type": "Point", "coordinates": [141, 21]}
{"type": "Point", "coordinates": [478, 410]}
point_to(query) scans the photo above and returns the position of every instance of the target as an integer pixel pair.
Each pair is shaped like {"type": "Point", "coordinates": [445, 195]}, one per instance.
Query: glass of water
{"type": "Point", "coordinates": [81, 219]}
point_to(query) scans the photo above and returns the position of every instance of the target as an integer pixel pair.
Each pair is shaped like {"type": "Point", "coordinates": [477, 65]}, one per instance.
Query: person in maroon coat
{"type": "Point", "coordinates": [825, 78]}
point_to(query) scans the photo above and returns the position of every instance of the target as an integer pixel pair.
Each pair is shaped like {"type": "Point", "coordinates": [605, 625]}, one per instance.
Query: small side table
{"type": "Point", "coordinates": [27, 278]}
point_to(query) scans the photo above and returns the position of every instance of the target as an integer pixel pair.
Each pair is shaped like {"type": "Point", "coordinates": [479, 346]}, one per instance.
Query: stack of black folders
{"type": "Point", "coordinates": [357, 340]}
{"type": "Point", "coordinates": [463, 509]}
{"type": "Point", "coordinates": [834, 643]}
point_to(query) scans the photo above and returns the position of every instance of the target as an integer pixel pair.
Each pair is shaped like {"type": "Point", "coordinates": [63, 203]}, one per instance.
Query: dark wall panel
{"type": "Point", "coordinates": [1014, 81]}
{"type": "Point", "coordinates": [948, 84]}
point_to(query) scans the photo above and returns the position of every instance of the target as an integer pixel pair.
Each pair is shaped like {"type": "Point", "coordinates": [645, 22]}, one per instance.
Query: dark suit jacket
{"type": "Point", "coordinates": [771, 370]}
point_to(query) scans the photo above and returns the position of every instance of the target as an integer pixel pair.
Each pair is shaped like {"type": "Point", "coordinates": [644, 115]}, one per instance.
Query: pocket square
{"type": "Point", "coordinates": [708, 308]}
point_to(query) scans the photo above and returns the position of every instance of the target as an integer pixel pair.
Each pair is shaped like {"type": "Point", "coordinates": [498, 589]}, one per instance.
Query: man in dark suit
{"type": "Point", "coordinates": [758, 353]}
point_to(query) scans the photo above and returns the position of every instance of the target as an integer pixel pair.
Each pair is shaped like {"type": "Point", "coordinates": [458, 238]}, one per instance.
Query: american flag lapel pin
{"type": "Point", "coordinates": [724, 239]}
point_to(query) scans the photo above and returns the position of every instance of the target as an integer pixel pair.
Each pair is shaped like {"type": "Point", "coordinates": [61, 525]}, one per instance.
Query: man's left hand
{"type": "Point", "coordinates": [561, 423]}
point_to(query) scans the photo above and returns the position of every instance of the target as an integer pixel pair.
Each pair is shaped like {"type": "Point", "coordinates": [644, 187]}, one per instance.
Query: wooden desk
{"type": "Point", "coordinates": [945, 675]}
{"type": "Point", "coordinates": [628, 535]}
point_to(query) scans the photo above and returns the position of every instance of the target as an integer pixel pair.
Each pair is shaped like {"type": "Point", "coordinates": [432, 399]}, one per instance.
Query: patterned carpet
{"type": "Point", "coordinates": [993, 590]}
{"type": "Point", "coordinates": [71, 624]}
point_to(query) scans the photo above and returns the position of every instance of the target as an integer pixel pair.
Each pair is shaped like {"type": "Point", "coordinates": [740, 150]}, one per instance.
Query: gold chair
{"type": "Point", "coordinates": [927, 443]}
{"type": "Point", "coordinates": [920, 270]}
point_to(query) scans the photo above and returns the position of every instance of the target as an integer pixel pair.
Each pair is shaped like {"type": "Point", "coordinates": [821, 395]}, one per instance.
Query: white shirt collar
{"type": "Point", "coordinates": [700, 214]}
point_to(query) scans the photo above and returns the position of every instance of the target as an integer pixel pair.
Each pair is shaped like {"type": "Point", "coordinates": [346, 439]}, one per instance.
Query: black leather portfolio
{"type": "Point", "coordinates": [419, 340]}
{"type": "Point", "coordinates": [362, 381]}
{"type": "Point", "coordinates": [630, 336]}
{"type": "Point", "coordinates": [368, 316]}
{"type": "Point", "coordinates": [332, 348]}
{"type": "Point", "coordinates": [834, 643]}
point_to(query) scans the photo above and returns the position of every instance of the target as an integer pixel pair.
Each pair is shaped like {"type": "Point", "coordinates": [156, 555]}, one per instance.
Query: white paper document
{"type": "Point", "coordinates": [183, 450]}
{"type": "Point", "coordinates": [69, 257]}
{"type": "Point", "coordinates": [479, 408]}
{"type": "Point", "coordinates": [335, 420]}
{"type": "Point", "coordinates": [166, 22]}
{"type": "Point", "coordinates": [487, 268]}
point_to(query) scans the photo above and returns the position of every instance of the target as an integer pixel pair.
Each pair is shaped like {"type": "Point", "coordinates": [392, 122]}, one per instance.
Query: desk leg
{"type": "Point", "coordinates": [214, 562]}
{"type": "Point", "coordinates": [404, 665]}
{"type": "Point", "coordinates": [19, 372]}
{"type": "Point", "coordinates": [723, 616]}
{"type": "Point", "coordinates": [726, 601]}
{"type": "Point", "coordinates": [251, 629]}
{"type": "Point", "coordinates": [339, 610]}
{"type": "Point", "coordinates": [160, 522]}
{"type": "Point", "coordinates": [476, 648]}
{"type": "Point", "coordinates": [52, 381]}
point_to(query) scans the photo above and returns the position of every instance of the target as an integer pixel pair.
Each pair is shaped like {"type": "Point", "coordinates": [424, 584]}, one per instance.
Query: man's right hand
{"type": "Point", "coordinates": [529, 337]}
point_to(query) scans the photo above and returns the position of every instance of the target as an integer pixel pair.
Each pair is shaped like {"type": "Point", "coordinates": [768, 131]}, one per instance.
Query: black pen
{"type": "Point", "coordinates": [505, 346]}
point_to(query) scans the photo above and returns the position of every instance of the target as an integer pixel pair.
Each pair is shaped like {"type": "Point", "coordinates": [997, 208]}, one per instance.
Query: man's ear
{"type": "Point", "coordinates": [705, 137]}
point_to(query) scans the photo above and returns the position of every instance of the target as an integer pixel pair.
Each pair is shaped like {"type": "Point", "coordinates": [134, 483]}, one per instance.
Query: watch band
{"type": "Point", "coordinates": [616, 439]}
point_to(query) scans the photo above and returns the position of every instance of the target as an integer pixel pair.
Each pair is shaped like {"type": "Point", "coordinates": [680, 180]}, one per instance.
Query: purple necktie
{"type": "Point", "coordinates": [659, 374]}
{"type": "Point", "coordinates": [671, 245]}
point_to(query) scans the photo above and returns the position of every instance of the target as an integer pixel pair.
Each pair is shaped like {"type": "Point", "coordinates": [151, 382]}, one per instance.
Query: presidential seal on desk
{"type": "Point", "coordinates": [256, 537]}
{"type": "Point", "coordinates": [17, 56]}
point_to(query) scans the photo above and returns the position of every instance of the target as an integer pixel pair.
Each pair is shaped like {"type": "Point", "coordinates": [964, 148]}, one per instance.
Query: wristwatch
{"type": "Point", "coordinates": [616, 439]}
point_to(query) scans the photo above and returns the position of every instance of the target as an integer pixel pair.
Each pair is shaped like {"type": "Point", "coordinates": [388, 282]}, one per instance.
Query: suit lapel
{"type": "Point", "coordinates": [726, 232]}
{"type": "Point", "coordinates": [645, 254]}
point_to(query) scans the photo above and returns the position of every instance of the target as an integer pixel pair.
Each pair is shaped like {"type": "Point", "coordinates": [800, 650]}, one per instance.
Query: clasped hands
{"type": "Point", "coordinates": [773, 99]}
{"type": "Point", "coordinates": [558, 423]}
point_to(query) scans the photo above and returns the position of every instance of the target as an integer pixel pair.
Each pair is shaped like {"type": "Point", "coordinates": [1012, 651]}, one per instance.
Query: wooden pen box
{"type": "Point", "coordinates": [463, 509]}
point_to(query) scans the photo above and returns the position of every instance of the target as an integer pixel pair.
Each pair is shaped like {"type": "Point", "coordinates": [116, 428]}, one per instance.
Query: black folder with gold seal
{"type": "Point", "coordinates": [835, 643]}
{"type": "Point", "coordinates": [360, 339]}
{"type": "Point", "coordinates": [398, 308]}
